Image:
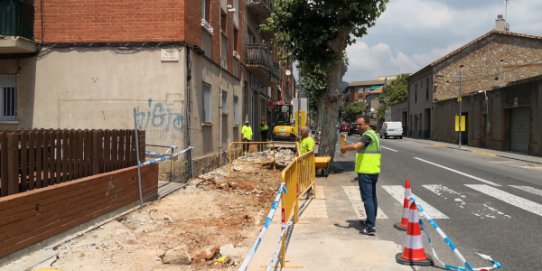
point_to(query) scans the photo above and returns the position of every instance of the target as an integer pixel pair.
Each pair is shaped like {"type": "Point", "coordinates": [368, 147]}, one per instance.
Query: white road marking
{"type": "Point", "coordinates": [398, 193]}
{"type": "Point", "coordinates": [458, 172]}
{"type": "Point", "coordinates": [352, 192]}
{"type": "Point", "coordinates": [389, 149]}
{"type": "Point", "coordinates": [444, 192]}
{"type": "Point", "coordinates": [528, 189]}
{"type": "Point", "coordinates": [525, 204]}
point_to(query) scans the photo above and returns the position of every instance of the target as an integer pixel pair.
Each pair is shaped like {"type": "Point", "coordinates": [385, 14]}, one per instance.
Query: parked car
{"type": "Point", "coordinates": [344, 128]}
{"type": "Point", "coordinates": [392, 129]}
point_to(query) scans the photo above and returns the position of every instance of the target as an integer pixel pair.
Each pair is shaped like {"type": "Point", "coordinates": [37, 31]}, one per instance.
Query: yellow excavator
{"type": "Point", "coordinates": [284, 121]}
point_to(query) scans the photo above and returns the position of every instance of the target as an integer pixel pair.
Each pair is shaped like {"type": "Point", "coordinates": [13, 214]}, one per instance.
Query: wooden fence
{"type": "Point", "coordinates": [31, 159]}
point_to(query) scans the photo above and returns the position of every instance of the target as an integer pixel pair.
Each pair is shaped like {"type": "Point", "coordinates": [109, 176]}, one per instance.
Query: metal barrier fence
{"type": "Point", "coordinates": [299, 177]}
{"type": "Point", "coordinates": [238, 149]}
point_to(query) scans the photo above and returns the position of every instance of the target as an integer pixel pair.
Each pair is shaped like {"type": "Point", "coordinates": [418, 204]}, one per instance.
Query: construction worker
{"type": "Point", "coordinates": [263, 130]}
{"type": "Point", "coordinates": [246, 135]}
{"type": "Point", "coordinates": [307, 143]}
{"type": "Point", "coordinates": [368, 168]}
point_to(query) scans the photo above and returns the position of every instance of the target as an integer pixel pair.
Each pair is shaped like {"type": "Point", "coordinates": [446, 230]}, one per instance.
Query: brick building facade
{"type": "Point", "coordinates": [184, 71]}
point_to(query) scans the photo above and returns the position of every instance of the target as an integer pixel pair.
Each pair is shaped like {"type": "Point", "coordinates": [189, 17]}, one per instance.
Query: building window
{"type": "Point", "coordinates": [207, 109]}
{"type": "Point", "coordinates": [236, 111]}
{"type": "Point", "coordinates": [236, 39]}
{"type": "Point", "coordinates": [427, 88]}
{"type": "Point", "coordinates": [205, 9]}
{"type": "Point", "coordinates": [224, 51]}
{"type": "Point", "coordinates": [223, 22]}
{"type": "Point", "coordinates": [224, 102]}
{"type": "Point", "coordinates": [415, 93]}
{"type": "Point", "coordinates": [8, 97]}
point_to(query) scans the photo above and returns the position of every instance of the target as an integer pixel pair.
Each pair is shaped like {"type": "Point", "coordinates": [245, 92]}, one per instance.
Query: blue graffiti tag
{"type": "Point", "coordinates": [158, 116]}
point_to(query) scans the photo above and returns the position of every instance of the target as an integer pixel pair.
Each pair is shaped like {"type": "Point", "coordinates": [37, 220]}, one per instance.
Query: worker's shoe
{"type": "Point", "coordinates": [367, 231]}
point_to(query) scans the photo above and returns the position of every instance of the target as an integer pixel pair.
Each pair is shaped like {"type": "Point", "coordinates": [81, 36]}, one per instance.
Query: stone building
{"type": "Point", "coordinates": [491, 63]}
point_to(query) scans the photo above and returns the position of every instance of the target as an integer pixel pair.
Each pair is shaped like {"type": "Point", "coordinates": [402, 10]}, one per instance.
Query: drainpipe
{"type": "Point", "coordinates": [188, 110]}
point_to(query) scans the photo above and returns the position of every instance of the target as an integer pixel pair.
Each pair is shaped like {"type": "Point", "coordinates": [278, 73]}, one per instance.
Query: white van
{"type": "Point", "coordinates": [391, 128]}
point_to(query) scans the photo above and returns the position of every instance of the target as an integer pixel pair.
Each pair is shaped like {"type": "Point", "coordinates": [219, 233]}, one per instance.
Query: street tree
{"type": "Point", "coordinates": [315, 33]}
{"type": "Point", "coordinates": [396, 91]}
{"type": "Point", "coordinates": [350, 111]}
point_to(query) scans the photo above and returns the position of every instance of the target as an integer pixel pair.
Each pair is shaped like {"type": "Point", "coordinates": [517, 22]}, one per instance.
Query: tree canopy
{"type": "Point", "coordinates": [396, 91]}
{"type": "Point", "coordinates": [315, 33]}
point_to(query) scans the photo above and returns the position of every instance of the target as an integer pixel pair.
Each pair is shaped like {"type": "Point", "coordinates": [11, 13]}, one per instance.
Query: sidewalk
{"type": "Point", "coordinates": [327, 236]}
{"type": "Point", "coordinates": [481, 151]}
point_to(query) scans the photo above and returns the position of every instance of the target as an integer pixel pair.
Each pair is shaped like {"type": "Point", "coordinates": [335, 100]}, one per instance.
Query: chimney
{"type": "Point", "coordinates": [500, 24]}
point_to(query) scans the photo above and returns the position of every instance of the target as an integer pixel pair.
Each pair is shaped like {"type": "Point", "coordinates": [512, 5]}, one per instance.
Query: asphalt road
{"type": "Point", "coordinates": [485, 204]}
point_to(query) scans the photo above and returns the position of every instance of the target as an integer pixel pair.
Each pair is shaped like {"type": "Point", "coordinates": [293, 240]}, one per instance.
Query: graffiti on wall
{"type": "Point", "coordinates": [158, 116]}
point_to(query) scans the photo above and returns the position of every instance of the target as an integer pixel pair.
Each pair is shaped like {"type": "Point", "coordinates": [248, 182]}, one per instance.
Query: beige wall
{"type": "Point", "coordinates": [98, 88]}
{"type": "Point", "coordinates": [214, 136]}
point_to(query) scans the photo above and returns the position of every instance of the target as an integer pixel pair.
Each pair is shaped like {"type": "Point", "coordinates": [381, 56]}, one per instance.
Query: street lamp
{"type": "Point", "coordinates": [487, 115]}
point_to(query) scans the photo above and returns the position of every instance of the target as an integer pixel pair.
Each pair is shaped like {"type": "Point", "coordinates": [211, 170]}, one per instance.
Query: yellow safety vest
{"type": "Point", "coordinates": [246, 131]}
{"type": "Point", "coordinates": [368, 158]}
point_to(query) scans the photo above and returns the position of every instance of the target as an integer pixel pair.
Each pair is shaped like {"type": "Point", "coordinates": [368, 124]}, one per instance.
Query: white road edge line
{"type": "Point", "coordinates": [389, 149]}
{"type": "Point", "coordinates": [527, 205]}
{"type": "Point", "coordinates": [459, 172]}
{"type": "Point", "coordinates": [398, 193]}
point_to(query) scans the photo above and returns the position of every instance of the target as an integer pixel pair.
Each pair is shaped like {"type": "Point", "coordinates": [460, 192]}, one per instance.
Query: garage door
{"type": "Point", "coordinates": [519, 130]}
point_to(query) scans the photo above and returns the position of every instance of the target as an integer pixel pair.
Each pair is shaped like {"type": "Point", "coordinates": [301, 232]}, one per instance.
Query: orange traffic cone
{"type": "Point", "coordinates": [413, 252]}
{"type": "Point", "coordinates": [404, 220]}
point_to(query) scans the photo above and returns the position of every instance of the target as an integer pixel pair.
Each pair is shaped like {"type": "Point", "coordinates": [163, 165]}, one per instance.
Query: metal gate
{"type": "Point", "coordinates": [519, 130]}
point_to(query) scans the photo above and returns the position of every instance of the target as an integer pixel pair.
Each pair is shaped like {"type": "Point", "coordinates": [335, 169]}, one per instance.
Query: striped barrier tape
{"type": "Point", "coordinates": [454, 249]}
{"type": "Point", "coordinates": [268, 220]}
{"type": "Point", "coordinates": [285, 227]}
{"type": "Point", "coordinates": [164, 157]}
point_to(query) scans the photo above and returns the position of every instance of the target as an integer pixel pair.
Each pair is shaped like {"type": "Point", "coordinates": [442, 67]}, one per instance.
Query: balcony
{"type": "Point", "coordinates": [16, 27]}
{"type": "Point", "coordinates": [261, 9]}
{"type": "Point", "coordinates": [260, 62]}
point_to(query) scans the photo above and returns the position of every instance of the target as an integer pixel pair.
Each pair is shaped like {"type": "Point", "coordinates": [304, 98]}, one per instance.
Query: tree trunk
{"type": "Point", "coordinates": [329, 103]}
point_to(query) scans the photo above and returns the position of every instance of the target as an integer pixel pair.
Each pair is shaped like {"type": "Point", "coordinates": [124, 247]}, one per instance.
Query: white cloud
{"type": "Point", "coordinates": [413, 33]}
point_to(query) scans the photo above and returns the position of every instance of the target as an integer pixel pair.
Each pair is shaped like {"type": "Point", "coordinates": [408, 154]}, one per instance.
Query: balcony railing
{"type": "Point", "coordinates": [16, 19]}
{"type": "Point", "coordinates": [261, 8]}
{"type": "Point", "coordinates": [260, 62]}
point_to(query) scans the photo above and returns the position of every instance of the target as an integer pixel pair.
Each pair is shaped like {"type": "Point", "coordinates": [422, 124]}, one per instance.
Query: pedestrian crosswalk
{"type": "Point", "coordinates": [353, 194]}
{"type": "Point", "coordinates": [476, 199]}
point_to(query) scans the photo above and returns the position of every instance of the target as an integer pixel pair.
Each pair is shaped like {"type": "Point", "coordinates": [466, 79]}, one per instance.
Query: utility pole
{"type": "Point", "coordinates": [460, 100]}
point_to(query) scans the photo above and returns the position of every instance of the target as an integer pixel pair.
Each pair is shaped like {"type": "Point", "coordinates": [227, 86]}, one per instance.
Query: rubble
{"type": "Point", "coordinates": [208, 225]}
{"type": "Point", "coordinates": [177, 255]}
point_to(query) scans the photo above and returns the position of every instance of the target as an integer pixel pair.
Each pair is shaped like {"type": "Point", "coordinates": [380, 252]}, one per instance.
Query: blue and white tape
{"type": "Point", "coordinates": [164, 157]}
{"type": "Point", "coordinates": [266, 224]}
{"type": "Point", "coordinates": [455, 251]}
{"type": "Point", "coordinates": [285, 227]}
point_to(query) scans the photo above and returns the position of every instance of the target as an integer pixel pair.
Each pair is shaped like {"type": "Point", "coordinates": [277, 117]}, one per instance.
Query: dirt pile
{"type": "Point", "coordinates": [209, 225]}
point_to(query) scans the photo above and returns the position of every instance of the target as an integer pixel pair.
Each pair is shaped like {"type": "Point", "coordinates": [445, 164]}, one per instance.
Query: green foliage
{"type": "Point", "coordinates": [397, 91]}
{"type": "Point", "coordinates": [306, 29]}
{"type": "Point", "coordinates": [350, 111]}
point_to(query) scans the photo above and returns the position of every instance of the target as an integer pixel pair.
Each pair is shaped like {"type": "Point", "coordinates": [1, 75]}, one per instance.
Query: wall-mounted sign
{"type": "Point", "coordinates": [169, 55]}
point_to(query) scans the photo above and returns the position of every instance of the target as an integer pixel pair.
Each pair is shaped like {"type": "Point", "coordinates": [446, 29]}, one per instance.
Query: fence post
{"type": "Point", "coordinates": [13, 164]}
{"type": "Point", "coordinates": [96, 140]}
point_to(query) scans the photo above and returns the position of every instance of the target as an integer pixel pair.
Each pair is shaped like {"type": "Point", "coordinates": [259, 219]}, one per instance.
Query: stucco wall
{"type": "Point", "coordinates": [501, 102]}
{"type": "Point", "coordinates": [214, 136]}
{"type": "Point", "coordinates": [98, 88]}
{"type": "Point", "coordinates": [420, 100]}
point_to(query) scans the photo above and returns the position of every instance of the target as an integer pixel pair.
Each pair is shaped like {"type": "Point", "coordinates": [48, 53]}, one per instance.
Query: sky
{"type": "Point", "coordinates": [411, 34]}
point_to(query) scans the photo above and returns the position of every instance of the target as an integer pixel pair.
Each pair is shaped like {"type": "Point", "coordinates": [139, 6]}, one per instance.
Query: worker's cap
{"type": "Point", "coordinates": [247, 122]}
